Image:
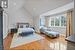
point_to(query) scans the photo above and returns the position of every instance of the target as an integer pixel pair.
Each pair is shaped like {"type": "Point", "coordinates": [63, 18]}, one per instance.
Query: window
{"type": "Point", "coordinates": [52, 21]}
{"type": "Point", "coordinates": [42, 21]}
{"type": "Point", "coordinates": [63, 21]}
{"type": "Point", "coordinates": [4, 3]}
{"type": "Point", "coordinates": [59, 20]}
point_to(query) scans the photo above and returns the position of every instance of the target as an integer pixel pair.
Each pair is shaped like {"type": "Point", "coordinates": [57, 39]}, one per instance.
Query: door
{"type": "Point", "coordinates": [1, 29]}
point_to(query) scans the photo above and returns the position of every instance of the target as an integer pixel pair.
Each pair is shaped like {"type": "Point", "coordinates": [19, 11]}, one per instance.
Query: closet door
{"type": "Point", "coordinates": [1, 29]}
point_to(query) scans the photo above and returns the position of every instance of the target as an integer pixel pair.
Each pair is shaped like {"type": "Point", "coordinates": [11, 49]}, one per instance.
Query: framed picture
{"type": "Point", "coordinates": [4, 3]}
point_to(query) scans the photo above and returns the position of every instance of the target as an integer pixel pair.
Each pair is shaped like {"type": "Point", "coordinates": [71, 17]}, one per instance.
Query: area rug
{"type": "Point", "coordinates": [18, 41]}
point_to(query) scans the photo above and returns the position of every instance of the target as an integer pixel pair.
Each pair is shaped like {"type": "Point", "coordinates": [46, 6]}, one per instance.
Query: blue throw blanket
{"type": "Point", "coordinates": [26, 31]}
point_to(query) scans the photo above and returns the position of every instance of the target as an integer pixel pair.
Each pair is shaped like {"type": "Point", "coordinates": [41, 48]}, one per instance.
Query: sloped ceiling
{"type": "Point", "coordinates": [37, 7]}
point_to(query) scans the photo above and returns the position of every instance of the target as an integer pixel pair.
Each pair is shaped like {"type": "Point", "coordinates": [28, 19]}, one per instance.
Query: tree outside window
{"type": "Point", "coordinates": [63, 21]}
{"type": "Point", "coordinates": [52, 21]}
{"type": "Point", "coordinates": [42, 21]}
{"type": "Point", "coordinates": [57, 21]}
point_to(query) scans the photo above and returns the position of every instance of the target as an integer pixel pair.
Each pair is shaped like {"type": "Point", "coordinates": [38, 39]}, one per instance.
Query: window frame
{"type": "Point", "coordinates": [42, 21]}
{"type": "Point", "coordinates": [59, 16]}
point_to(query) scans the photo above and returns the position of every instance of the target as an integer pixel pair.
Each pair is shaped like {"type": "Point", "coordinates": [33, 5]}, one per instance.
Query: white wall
{"type": "Point", "coordinates": [19, 16]}
{"type": "Point", "coordinates": [16, 13]}
{"type": "Point", "coordinates": [5, 24]}
{"type": "Point", "coordinates": [59, 9]}
{"type": "Point", "coordinates": [36, 23]}
{"type": "Point", "coordinates": [74, 19]}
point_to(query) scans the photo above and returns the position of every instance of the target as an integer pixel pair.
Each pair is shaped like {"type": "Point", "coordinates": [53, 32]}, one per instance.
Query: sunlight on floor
{"type": "Point", "coordinates": [58, 46]}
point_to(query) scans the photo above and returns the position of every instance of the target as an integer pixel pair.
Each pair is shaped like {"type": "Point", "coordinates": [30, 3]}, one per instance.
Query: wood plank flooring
{"type": "Point", "coordinates": [44, 44]}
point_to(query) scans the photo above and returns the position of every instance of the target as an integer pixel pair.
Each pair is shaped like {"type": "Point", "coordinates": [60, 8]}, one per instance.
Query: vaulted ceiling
{"type": "Point", "coordinates": [37, 7]}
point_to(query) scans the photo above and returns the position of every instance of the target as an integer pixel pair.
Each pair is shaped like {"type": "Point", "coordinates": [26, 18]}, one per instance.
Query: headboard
{"type": "Point", "coordinates": [22, 25]}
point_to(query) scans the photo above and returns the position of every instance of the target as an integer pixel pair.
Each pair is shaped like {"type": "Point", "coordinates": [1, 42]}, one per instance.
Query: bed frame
{"type": "Point", "coordinates": [21, 25]}
{"type": "Point", "coordinates": [24, 25]}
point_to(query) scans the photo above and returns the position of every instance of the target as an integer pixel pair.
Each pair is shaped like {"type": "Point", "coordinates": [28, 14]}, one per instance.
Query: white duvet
{"type": "Point", "coordinates": [20, 30]}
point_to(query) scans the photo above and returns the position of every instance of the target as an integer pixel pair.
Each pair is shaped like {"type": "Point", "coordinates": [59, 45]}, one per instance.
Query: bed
{"type": "Point", "coordinates": [48, 32]}
{"type": "Point", "coordinates": [24, 29]}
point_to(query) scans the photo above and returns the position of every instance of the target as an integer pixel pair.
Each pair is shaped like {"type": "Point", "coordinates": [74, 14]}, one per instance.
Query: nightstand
{"type": "Point", "coordinates": [14, 30]}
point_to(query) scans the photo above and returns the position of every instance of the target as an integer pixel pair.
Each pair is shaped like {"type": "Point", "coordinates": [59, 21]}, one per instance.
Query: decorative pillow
{"type": "Point", "coordinates": [25, 33]}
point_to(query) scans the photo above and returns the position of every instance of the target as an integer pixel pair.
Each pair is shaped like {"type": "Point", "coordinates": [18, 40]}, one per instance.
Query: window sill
{"type": "Point", "coordinates": [58, 26]}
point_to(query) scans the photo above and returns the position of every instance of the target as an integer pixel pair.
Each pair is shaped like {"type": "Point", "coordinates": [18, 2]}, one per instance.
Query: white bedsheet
{"type": "Point", "coordinates": [20, 30]}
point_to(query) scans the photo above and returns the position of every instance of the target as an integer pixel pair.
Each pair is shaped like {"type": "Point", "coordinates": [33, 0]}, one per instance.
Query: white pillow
{"type": "Point", "coordinates": [20, 30]}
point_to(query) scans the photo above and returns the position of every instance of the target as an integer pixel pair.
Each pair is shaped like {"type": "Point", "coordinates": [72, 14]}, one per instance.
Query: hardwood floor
{"type": "Point", "coordinates": [44, 44]}
{"type": "Point", "coordinates": [7, 41]}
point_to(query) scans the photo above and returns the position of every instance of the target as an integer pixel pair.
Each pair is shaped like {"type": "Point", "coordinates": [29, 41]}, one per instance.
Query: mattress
{"type": "Point", "coordinates": [25, 31]}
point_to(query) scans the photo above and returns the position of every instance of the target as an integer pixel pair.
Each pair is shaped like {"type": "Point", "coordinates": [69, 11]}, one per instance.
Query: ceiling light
{"type": "Point", "coordinates": [14, 4]}
{"type": "Point", "coordinates": [34, 8]}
